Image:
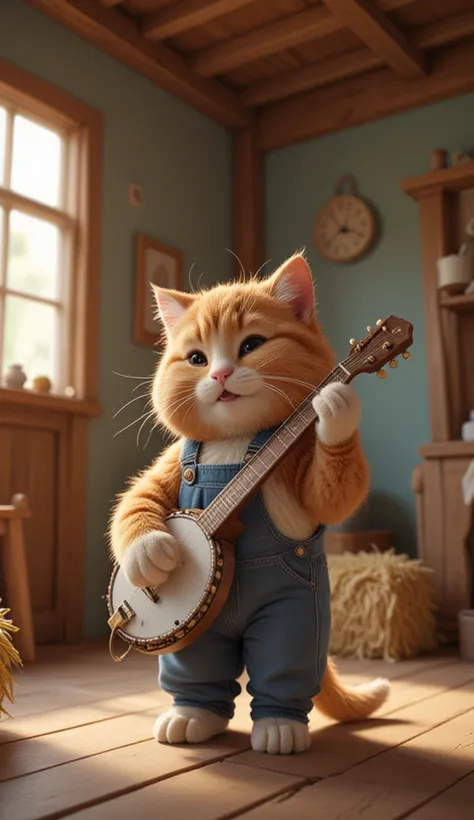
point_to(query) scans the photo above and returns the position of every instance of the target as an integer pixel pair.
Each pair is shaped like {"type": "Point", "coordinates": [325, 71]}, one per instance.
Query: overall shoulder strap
{"type": "Point", "coordinates": [189, 459]}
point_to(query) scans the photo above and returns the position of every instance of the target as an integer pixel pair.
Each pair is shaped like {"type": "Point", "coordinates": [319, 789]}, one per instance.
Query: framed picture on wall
{"type": "Point", "coordinates": [158, 264]}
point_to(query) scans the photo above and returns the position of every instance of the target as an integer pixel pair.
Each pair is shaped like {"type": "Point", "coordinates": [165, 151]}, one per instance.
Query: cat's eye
{"type": "Point", "coordinates": [251, 343]}
{"type": "Point", "coordinates": [197, 359]}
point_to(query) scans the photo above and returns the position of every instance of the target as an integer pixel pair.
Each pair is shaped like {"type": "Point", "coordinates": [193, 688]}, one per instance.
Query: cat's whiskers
{"type": "Point", "coordinates": [181, 404]}
{"type": "Point", "coordinates": [142, 426]}
{"type": "Point", "coordinates": [292, 381]}
{"type": "Point", "coordinates": [126, 376]}
{"type": "Point", "coordinates": [137, 398]}
{"type": "Point", "coordinates": [132, 423]}
{"type": "Point", "coordinates": [142, 384]}
{"type": "Point", "coordinates": [279, 392]}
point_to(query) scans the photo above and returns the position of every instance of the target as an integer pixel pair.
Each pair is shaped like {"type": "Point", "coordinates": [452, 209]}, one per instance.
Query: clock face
{"type": "Point", "coordinates": [345, 229]}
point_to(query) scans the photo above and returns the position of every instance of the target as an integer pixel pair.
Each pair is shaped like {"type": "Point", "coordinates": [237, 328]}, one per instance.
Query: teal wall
{"type": "Point", "coordinates": [183, 160]}
{"type": "Point", "coordinates": [299, 179]}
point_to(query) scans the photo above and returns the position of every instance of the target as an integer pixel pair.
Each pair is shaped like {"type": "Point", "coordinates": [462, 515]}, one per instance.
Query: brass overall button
{"type": "Point", "coordinates": [300, 551]}
{"type": "Point", "coordinates": [188, 475]}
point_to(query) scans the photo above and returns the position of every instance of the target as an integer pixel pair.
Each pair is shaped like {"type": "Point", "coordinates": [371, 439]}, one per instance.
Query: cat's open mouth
{"type": "Point", "coordinates": [226, 396]}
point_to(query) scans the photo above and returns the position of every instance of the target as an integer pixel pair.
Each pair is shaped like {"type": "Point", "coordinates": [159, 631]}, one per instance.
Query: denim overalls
{"type": "Point", "coordinates": [276, 621]}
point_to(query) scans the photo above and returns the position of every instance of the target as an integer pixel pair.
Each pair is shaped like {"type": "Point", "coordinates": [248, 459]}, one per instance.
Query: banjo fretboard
{"type": "Point", "coordinates": [390, 338]}
{"type": "Point", "coordinates": [254, 473]}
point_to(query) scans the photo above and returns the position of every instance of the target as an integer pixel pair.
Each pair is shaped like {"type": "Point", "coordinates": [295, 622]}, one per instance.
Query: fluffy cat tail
{"type": "Point", "coordinates": [349, 703]}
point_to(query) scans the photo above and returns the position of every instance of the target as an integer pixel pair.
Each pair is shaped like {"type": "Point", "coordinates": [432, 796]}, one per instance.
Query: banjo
{"type": "Point", "coordinates": [168, 618]}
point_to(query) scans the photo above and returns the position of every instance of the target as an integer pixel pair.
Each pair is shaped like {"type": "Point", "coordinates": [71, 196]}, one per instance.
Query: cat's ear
{"type": "Point", "coordinates": [171, 305]}
{"type": "Point", "coordinates": [292, 284]}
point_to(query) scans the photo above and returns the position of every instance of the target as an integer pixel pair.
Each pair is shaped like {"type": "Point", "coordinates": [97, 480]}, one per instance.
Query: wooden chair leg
{"type": "Point", "coordinates": [17, 588]}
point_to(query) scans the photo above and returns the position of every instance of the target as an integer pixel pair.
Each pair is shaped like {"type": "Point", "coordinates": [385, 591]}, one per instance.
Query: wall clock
{"type": "Point", "coordinates": [345, 226]}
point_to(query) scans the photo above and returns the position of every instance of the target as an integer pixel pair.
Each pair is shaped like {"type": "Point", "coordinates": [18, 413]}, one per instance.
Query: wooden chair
{"type": "Point", "coordinates": [15, 573]}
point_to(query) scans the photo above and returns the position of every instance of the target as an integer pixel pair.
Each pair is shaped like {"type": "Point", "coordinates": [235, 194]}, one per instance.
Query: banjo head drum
{"type": "Point", "coordinates": [166, 619]}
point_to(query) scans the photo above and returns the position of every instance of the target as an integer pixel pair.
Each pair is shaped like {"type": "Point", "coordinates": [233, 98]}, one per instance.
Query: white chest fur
{"type": "Point", "coordinates": [283, 506]}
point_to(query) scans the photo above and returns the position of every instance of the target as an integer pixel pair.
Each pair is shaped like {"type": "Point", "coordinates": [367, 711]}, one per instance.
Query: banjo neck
{"type": "Point", "coordinates": [257, 469]}
{"type": "Point", "coordinates": [383, 343]}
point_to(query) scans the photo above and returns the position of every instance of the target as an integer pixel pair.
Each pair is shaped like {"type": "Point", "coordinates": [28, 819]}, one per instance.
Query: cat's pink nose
{"type": "Point", "coordinates": [222, 374]}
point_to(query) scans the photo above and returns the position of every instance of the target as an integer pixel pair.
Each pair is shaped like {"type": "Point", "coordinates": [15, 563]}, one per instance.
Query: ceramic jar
{"type": "Point", "coordinates": [42, 384]}
{"type": "Point", "coordinates": [15, 377]}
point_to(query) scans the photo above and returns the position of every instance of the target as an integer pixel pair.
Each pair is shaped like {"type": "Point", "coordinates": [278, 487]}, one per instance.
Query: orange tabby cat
{"type": "Point", "coordinates": [238, 359]}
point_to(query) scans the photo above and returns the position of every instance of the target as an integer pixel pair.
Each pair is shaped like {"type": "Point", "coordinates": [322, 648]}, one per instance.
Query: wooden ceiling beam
{"type": "Point", "coordinates": [119, 36]}
{"type": "Point", "coordinates": [432, 35]}
{"type": "Point", "coordinates": [380, 35]}
{"type": "Point", "coordinates": [363, 99]}
{"type": "Point", "coordinates": [313, 76]}
{"type": "Point", "coordinates": [109, 3]}
{"type": "Point", "coordinates": [186, 15]}
{"type": "Point", "coordinates": [274, 38]}
{"type": "Point", "coordinates": [440, 32]}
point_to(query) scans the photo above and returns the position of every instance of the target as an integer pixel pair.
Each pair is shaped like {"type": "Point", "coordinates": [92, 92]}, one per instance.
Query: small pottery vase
{"type": "Point", "coordinates": [15, 377]}
{"type": "Point", "coordinates": [42, 384]}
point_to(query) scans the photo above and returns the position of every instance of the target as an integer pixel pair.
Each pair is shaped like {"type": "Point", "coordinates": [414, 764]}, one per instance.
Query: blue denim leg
{"type": "Point", "coordinates": [277, 618]}
{"type": "Point", "coordinates": [205, 673]}
{"type": "Point", "coordinates": [286, 640]}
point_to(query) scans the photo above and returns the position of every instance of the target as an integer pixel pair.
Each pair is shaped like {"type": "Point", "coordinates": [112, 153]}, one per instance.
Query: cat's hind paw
{"type": "Point", "coordinates": [280, 736]}
{"type": "Point", "coordinates": [188, 724]}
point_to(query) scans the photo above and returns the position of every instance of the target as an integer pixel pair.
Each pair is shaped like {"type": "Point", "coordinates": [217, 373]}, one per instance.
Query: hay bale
{"type": "Point", "coordinates": [382, 606]}
{"type": "Point", "coordinates": [8, 657]}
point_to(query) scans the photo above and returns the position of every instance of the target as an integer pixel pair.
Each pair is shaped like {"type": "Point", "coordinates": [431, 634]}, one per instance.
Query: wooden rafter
{"type": "Point", "coordinates": [186, 15]}
{"type": "Point", "coordinates": [273, 38]}
{"type": "Point", "coordinates": [313, 76]}
{"type": "Point", "coordinates": [363, 99]}
{"type": "Point", "coordinates": [381, 36]}
{"type": "Point", "coordinates": [440, 32]}
{"type": "Point", "coordinates": [120, 37]}
{"type": "Point", "coordinates": [432, 35]}
{"type": "Point", "coordinates": [109, 3]}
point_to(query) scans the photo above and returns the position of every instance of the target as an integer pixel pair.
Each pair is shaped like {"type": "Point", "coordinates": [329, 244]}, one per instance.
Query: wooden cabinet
{"type": "Point", "coordinates": [43, 446]}
{"type": "Point", "coordinates": [446, 202]}
{"type": "Point", "coordinates": [442, 524]}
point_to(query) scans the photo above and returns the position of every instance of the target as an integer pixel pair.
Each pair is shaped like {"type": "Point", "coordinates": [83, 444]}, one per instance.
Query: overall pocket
{"type": "Point", "coordinates": [299, 565]}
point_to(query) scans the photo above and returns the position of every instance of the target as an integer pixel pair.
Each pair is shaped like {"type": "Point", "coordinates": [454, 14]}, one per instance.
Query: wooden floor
{"type": "Point", "coordinates": [79, 746]}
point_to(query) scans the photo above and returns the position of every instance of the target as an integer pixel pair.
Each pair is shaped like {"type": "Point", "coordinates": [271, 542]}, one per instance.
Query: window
{"type": "Point", "coordinates": [37, 227]}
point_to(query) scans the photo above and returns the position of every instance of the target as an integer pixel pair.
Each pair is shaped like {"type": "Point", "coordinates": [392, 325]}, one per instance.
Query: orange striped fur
{"type": "Point", "coordinates": [318, 484]}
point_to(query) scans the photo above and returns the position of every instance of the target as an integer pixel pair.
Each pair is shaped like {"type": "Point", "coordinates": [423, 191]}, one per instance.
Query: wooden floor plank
{"type": "Point", "coordinates": [34, 755]}
{"type": "Point", "coordinates": [62, 789]}
{"type": "Point", "coordinates": [203, 794]}
{"type": "Point", "coordinates": [456, 802]}
{"type": "Point", "coordinates": [13, 730]}
{"type": "Point", "coordinates": [329, 800]}
{"type": "Point", "coordinates": [336, 748]}
{"type": "Point", "coordinates": [429, 762]}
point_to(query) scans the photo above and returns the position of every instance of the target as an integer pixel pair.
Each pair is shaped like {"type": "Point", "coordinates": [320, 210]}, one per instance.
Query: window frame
{"type": "Point", "coordinates": [79, 213]}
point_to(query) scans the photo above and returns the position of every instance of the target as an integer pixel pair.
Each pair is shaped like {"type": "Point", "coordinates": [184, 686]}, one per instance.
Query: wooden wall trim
{"type": "Point", "coordinates": [247, 199]}
{"type": "Point", "coordinates": [434, 228]}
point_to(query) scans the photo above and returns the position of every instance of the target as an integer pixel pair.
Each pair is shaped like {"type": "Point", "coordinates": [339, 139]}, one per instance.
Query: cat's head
{"type": "Point", "coordinates": [239, 357]}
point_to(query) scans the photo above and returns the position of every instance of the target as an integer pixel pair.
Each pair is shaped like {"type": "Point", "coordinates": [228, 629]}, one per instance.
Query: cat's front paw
{"type": "Point", "coordinates": [338, 409]}
{"type": "Point", "coordinates": [150, 559]}
{"type": "Point", "coordinates": [280, 736]}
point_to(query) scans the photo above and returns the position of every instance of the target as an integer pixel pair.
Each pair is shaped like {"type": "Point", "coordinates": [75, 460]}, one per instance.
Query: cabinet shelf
{"type": "Point", "coordinates": [448, 449]}
{"type": "Point", "coordinates": [461, 303]}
